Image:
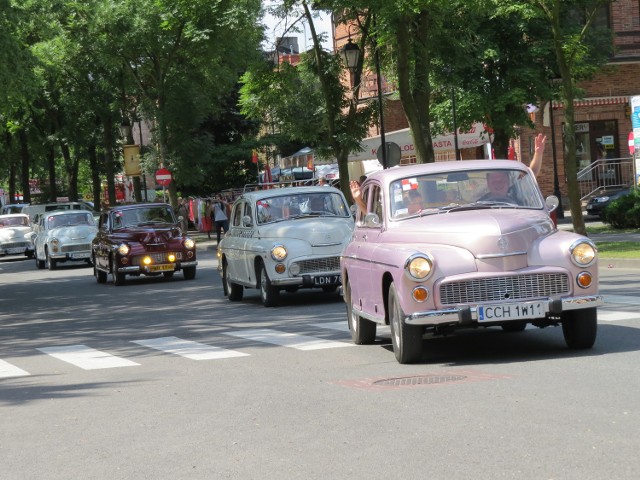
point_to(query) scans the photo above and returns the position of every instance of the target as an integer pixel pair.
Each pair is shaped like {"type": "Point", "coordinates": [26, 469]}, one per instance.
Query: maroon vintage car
{"type": "Point", "coordinates": [142, 239]}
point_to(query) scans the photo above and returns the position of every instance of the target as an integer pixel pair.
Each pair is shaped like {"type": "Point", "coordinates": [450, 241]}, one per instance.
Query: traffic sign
{"type": "Point", "coordinates": [163, 177]}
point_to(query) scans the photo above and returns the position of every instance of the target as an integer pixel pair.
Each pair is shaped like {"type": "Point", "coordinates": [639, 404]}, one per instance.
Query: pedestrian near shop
{"type": "Point", "coordinates": [220, 219]}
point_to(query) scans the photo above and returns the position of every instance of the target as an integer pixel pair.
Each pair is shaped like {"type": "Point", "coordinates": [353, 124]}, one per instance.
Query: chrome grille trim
{"type": "Point", "coordinates": [76, 248]}
{"type": "Point", "coordinates": [315, 265]}
{"type": "Point", "coordinates": [156, 257]}
{"type": "Point", "coordinates": [494, 289]}
{"type": "Point", "coordinates": [14, 245]}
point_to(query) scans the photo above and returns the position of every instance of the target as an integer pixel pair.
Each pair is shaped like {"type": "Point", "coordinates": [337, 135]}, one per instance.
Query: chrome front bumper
{"type": "Point", "coordinates": [145, 270]}
{"type": "Point", "coordinates": [466, 315]}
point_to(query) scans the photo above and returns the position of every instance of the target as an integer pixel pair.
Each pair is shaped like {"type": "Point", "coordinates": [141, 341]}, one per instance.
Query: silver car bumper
{"type": "Point", "coordinates": [466, 315]}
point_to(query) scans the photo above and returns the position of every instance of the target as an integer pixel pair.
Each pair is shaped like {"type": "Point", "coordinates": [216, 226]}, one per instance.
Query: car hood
{"type": "Point", "coordinates": [482, 232]}
{"type": "Point", "coordinates": [317, 231]}
{"type": "Point", "coordinates": [146, 235]}
{"type": "Point", "coordinates": [8, 233]}
{"type": "Point", "coordinates": [75, 232]}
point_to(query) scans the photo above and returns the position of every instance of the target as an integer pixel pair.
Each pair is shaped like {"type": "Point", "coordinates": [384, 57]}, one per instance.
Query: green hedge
{"type": "Point", "coordinates": [624, 212]}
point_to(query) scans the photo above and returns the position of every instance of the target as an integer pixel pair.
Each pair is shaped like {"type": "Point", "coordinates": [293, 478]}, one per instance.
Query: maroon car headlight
{"type": "Point", "coordinates": [583, 253]}
{"type": "Point", "coordinates": [189, 243]}
{"type": "Point", "coordinates": [419, 267]}
{"type": "Point", "coordinates": [124, 249]}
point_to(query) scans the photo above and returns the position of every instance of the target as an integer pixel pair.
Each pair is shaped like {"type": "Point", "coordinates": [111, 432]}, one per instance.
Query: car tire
{"type": "Point", "coordinates": [101, 277]}
{"type": "Point", "coordinates": [268, 293]}
{"type": "Point", "coordinates": [51, 263]}
{"type": "Point", "coordinates": [39, 263]}
{"type": "Point", "coordinates": [189, 273]}
{"type": "Point", "coordinates": [513, 327]}
{"type": "Point", "coordinates": [363, 332]}
{"type": "Point", "coordinates": [118, 278]}
{"type": "Point", "coordinates": [231, 290]}
{"type": "Point", "coordinates": [580, 327]}
{"type": "Point", "coordinates": [406, 339]}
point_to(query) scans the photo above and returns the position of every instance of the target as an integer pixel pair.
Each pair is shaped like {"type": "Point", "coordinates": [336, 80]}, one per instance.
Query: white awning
{"type": "Point", "coordinates": [475, 137]}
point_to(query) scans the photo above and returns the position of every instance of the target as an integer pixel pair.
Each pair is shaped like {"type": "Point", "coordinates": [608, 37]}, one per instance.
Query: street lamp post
{"type": "Point", "coordinates": [556, 182]}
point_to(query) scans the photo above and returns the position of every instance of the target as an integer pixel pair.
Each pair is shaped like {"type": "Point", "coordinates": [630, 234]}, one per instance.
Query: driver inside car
{"type": "Point", "coordinates": [498, 185]}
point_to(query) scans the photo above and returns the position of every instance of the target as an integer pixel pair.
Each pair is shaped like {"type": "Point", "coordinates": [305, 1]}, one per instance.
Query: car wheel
{"type": "Point", "coordinates": [189, 273]}
{"type": "Point", "coordinates": [363, 332]}
{"type": "Point", "coordinates": [118, 278]}
{"type": "Point", "coordinates": [39, 263]}
{"type": "Point", "coordinates": [231, 290]}
{"type": "Point", "coordinates": [513, 327]}
{"type": "Point", "coordinates": [167, 275]}
{"type": "Point", "coordinates": [51, 263]}
{"type": "Point", "coordinates": [580, 327]}
{"type": "Point", "coordinates": [268, 293]}
{"type": "Point", "coordinates": [101, 277]}
{"type": "Point", "coordinates": [406, 339]}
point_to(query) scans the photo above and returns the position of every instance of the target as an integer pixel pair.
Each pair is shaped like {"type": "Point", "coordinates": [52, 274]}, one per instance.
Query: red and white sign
{"type": "Point", "coordinates": [632, 146]}
{"type": "Point", "coordinates": [163, 177]}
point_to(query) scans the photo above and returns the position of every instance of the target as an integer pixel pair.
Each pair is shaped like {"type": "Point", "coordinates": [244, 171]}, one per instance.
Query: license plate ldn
{"type": "Point", "coordinates": [510, 311]}
{"type": "Point", "coordinates": [162, 268]}
{"type": "Point", "coordinates": [327, 280]}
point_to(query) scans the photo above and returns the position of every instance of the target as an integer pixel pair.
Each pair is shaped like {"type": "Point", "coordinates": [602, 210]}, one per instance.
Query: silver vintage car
{"type": "Point", "coordinates": [284, 239]}
{"type": "Point", "coordinates": [64, 236]}
{"type": "Point", "coordinates": [465, 244]}
{"type": "Point", "coordinates": [15, 235]}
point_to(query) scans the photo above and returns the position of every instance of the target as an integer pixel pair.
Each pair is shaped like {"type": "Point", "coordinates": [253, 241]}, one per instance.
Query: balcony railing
{"type": "Point", "coordinates": [606, 175]}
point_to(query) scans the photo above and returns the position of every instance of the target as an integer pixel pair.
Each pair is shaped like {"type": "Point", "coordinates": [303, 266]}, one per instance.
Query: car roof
{"type": "Point", "coordinates": [11, 215]}
{"type": "Point", "coordinates": [257, 195]}
{"type": "Point", "coordinates": [403, 171]}
{"type": "Point", "coordinates": [58, 213]}
{"type": "Point", "coordinates": [131, 206]}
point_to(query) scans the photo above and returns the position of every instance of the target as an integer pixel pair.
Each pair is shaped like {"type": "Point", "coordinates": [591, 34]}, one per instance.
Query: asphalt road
{"type": "Point", "coordinates": [167, 379]}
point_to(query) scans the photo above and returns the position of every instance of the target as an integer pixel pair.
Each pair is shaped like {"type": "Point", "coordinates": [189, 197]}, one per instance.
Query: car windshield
{"type": "Point", "coordinates": [143, 216]}
{"type": "Point", "coordinates": [463, 190]}
{"type": "Point", "coordinates": [56, 221]}
{"type": "Point", "coordinates": [294, 206]}
{"type": "Point", "coordinates": [14, 222]}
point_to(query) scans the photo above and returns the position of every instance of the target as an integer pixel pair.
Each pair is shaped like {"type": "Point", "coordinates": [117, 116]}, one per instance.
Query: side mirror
{"type": "Point", "coordinates": [371, 220]}
{"type": "Point", "coordinates": [246, 221]}
{"type": "Point", "coordinates": [551, 202]}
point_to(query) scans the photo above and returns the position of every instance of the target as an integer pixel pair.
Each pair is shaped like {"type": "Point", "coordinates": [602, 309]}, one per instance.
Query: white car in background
{"type": "Point", "coordinates": [284, 239]}
{"type": "Point", "coordinates": [15, 239]}
{"type": "Point", "coordinates": [64, 236]}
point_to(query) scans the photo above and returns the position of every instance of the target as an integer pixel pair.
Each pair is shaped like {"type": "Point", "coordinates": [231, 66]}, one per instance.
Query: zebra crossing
{"type": "Point", "coordinates": [87, 358]}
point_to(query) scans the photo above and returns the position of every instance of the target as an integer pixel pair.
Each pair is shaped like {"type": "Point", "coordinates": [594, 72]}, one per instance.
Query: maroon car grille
{"type": "Point", "coordinates": [156, 257]}
{"type": "Point", "coordinates": [316, 265]}
{"type": "Point", "coordinates": [494, 289]}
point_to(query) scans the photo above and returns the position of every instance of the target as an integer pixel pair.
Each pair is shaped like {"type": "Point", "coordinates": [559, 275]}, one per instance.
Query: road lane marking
{"type": "Point", "coordinates": [87, 358]}
{"type": "Point", "coordinates": [7, 370]}
{"type": "Point", "coordinates": [290, 340]}
{"type": "Point", "coordinates": [189, 349]}
{"type": "Point", "coordinates": [616, 316]}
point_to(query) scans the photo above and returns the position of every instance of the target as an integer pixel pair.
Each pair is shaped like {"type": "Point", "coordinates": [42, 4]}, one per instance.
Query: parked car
{"type": "Point", "coordinates": [456, 258]}
{"type": "Point", "coordinates": [63, 236]}
{"type": "Point", "coordinates": [284, 239]}
{"type": "Point", "coordinates": [12, 208]}
{"type": "Point", "coordinates": [596, 205]}
{"type": "Point", "coordinates": [15, 235]}
{"type": "Point", "coordinates": [142, 239]}
{"type": "Point", "coordinates": [36, 210]}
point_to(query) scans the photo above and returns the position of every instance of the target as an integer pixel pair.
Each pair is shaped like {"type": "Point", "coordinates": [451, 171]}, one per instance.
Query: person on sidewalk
{"type": "Point", "coordinates": [220, 219]}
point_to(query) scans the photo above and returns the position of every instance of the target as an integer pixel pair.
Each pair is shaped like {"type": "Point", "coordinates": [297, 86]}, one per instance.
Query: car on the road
{"type": "Point", "coordinates": [63, 236]}
{"type": "Point", "coordinates": [36, 210]}
{"type": "Point", "coordinates": [464, 256]}
{"type": "Point", "coordinates": [12, 208]}
{"type": "Point", "coordinates": [142, 239]}
{"type": "Point", "coordinates": [284, 239]}
{"type": "Point", "coordinates": [15, 238]}
{"type": "Point", "coordinates": [596, 205]}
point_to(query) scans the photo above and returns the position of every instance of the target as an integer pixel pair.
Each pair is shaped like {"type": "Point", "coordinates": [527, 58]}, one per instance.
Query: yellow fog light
{"type": "Point", "coordinates": [171, 257]}
{"type": "Point", "coordinates": [147, 260]}
{"type": "Point", "coordinates": [280, 268]}
{"type": "Point", "coordinates": [124, 249]}
{"type": "Point", "coordinates": [584, 279]}
{"type": "Point", "coordinates": [583, 253]}
{"type": "Point", "coordinates": [420, 294]}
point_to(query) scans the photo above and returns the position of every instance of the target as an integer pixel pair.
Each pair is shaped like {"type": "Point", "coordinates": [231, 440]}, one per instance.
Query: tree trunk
{"type": "Point", "coordinates": [25, 161]}
{"type": "Point", "coordinates": [108, 140]}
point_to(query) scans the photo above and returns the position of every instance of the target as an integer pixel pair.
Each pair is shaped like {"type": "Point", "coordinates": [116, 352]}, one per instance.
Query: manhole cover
{"type": "Point", "coordinates": [419, 380]}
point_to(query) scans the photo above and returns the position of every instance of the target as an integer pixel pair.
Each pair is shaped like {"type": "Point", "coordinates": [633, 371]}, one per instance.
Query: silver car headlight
{"type": "Point", "coordinates": [55, 244]}
{"type": "Point", "coordinates": [189, 243]}
{"type": "Point", "coordinates": [583, 253]}
{"type": "Point", "coordinates": [419, 266]}
{"type": "Point", "coordinates": [279, 253]}
{"type": "Point", "coordinates": [124, 249]}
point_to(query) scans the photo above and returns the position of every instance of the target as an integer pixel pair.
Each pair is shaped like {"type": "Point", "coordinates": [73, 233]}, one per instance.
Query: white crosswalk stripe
{"type": "Point", "coordinates": [616, 316]}
{"type": "Point", "coordinates": [291, 340]}
{"type": "Point", "coordinates": [189, 349]}
{"type": "Point", "coordinates": [87, 358]}
{"type": "Point", "coordinates": [7, 370]}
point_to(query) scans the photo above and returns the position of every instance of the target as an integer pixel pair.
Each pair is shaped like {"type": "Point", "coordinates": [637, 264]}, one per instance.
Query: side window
{"type": "Point", "coordinates": [247, 209]}
{"type": "Point", "coordinates": [376, 202]}
{"type": "Point", "coordinates": [236, 216]}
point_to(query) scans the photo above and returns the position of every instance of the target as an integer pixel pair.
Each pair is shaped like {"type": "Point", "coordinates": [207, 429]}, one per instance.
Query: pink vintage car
{"type": "Point", "coordinates": [451, 245]}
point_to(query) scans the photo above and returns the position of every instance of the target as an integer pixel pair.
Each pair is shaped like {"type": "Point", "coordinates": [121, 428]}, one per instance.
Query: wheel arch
{"type": "Point", "coordinates": [387, 280]}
